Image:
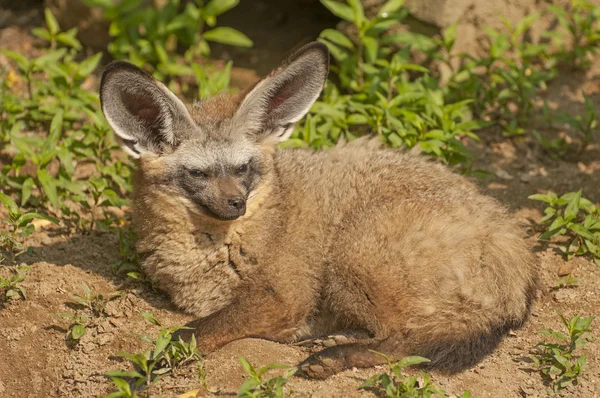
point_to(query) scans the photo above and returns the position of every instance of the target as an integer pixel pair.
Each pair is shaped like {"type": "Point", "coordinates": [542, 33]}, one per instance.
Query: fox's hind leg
{"type": "Point", "coordinates": [333, 360]}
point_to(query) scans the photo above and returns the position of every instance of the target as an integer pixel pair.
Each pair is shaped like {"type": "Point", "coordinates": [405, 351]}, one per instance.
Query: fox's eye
{"type": "Point", "coordinates": [242, 169]}
{"type": "Point", "coordinates": [197, 173]}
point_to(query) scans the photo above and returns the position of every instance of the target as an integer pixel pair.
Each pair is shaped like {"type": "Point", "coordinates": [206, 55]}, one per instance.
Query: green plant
{"type": "Point", "coordinates": [149, 36]}
{"type": "Point", "coordinates": [394, 384]}
{"type": "Point", "coordinates": [505, 82]}
{"type": "Point", "coordinates": [582, 22]}
{"type": "Point", "coordinates": [20, 227]}
{"type": "Point", "coordinates": [587, 125]}
{"type": "Point", "coordinates": [79, 323]}
{"type": "Point", "coordinates": [256, 386]}
{"type": "Point", "coordinates": [574, 217]}
{"type": "Point", "coordinates": [568, 281]}
{"type": "Point", "coordinates": [10, 286]}
{"type": "Point", "coordinates": [557, 361]}
{"type": "Point", "coordinates": [165, 356]}
{"type": "Point", "coordinates": [382, 91]}
{"type": "Point", "coordinates": [95, 303]}
{"type": "Point", "coordinates": [51, 99]}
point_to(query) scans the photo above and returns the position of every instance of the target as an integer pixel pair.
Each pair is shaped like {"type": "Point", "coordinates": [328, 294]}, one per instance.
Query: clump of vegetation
{"type": "Point", "coordinates": [582, 22]}
{"type": "Point", "coordinates": [149, 36]}
{"type": "Point", "coordinates": [557, 362]}
{"type": "Point", "coordinates": [93, 306]}
{"type": "Point", "coordinates": [383, 92]}
{"type": "Point", "coordinates": [257, 386]}
{"type": "Point", "coordinates": [394, 384]}
{"type": "Point", "coordinates": [568, 281]}
{"type": "Point", "coordinates": [164, 357]}
{"type": "Point", "coordinates": [11, 286]}
{"type": "Point", "coordinates": [20, 227]}
{"type": "Point", "coordinates": [575, 218]}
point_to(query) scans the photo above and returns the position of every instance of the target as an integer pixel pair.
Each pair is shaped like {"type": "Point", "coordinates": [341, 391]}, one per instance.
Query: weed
{"type": "Point", "coordinates": [574, 217]}
{"type": "Point", "coordinates": [20, 227]}
{"type": "Point", "coordinates": [93, 306]}
{"type": "Point", "coordinates": [381, 91]}
{"type": "Point", "coordinates": [10, 286]}
{"type": "Point", "coordinates": [165, 356]}
{"type": "Point", "coordinates": [394, 384]}
{"type": "Point", "coordinates": [95, 302]}
{"type": "Point", "coordinates": [568, 281]}
{"type": "Point", "coordinates": [587, 125]}
{"type": "Point", "coordinates": [79, 323]}
{"type": "Point", "coordinates": [557, 361]}
{"type": "Point", "coordinates": [582, 22]}
{"type": "Point", "coordinates": [149, 36]}
{"type": "Point", "coordinates": [258, 387]}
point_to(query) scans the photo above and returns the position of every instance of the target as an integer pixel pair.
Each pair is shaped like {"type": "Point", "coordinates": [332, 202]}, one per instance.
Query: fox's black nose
{"type": "Point", "coordinates": [237, 203]}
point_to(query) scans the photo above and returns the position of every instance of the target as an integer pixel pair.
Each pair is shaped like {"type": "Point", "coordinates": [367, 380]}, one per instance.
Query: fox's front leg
{"type": "Point", "coordinates": [259, 311]}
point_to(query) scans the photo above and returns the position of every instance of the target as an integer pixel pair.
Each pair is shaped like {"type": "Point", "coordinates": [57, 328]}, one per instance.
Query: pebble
{"type": "Point", "coordinates": [503, 174]}
{"type": "Point", "coordinates": [566, 269]}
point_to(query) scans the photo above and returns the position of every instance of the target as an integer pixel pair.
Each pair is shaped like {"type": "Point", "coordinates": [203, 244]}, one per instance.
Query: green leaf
{"type": "Point", "coordinates": [337, 37]}
{"type": "Point", "coordinates": [230, 36]}
{"type": "Point", "coordinates": [49, 187]}
{"type": "Point", "coordinates": [10, 204]}
{"type": "Point", "coordinates": [358, 12]}
{"type": "Point", "coordinates": [52, 23]}
{"type": "Point", "coordinates": [77, 331]}
{"type": "Point", "coordinates": [391, 6]}
{"type": "Point", "coordinates": [26, 190]}
{"type": "Point", "coordinates": [217, 7]}
{"type": "Point", "coordinates": [371, 47]}
{"type": "Point", "coordinates": [123, 374]}
{"type": "Point", "coordinates": [88, 66]}
{"type": "Point", "coordinates": [573, 206]}
{"type": "Point", "coordinates": [54, 133]}
{"type": "Point", "coordinates": [339, 10]}
{"type": "Point", "coordinates": [150, 318]}
{"type": "Point", "coordinates": [541, 197]}
{"type": "Point", "coordinates": [582, 231]}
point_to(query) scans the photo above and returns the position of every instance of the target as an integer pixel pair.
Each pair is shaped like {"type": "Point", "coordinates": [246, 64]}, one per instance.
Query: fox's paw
{"type": "Point", "coordinates": [324, 364]}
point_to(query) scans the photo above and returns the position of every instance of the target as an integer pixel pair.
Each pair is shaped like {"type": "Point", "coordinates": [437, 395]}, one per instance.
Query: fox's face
{"type": "Point", "coordinates": [216, 153]}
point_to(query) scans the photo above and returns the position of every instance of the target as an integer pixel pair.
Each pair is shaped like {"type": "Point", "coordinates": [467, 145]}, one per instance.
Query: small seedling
{"type": "Point", "coordinates": [258, 387]}
{"type": "Point", "coordinates": [93, 305]}
{"type": "Point", "coordinates": [79, 323]}
{"type": "Point", "coordinates": [20, 227]}
{"type": "Point", "coordinates": [568, 281]}
{"type": "Point", "coordinates": [574, 217]}
{"type": "Point", "coordinates": [165, 356]}
{"type": "Point", "coordinates": [95, 302]}
{"type": "Point", "coordinates": [557, 362]}
{"type": "Point", "coordinates": [10, 287]}
{"type": "Point", "coordinates": [394, 384]}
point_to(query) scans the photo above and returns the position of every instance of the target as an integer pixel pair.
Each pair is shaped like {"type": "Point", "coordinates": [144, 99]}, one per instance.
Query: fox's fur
{"type": "Point", "coordinates": [355, 237]}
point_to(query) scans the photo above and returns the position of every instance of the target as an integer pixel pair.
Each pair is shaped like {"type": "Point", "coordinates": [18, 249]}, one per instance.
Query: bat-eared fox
{"type": "Point", "coordinates": [290, 244]}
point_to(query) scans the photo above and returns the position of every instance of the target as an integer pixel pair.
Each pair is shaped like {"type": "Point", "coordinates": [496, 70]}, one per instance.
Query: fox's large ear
{"type": "Point", "coordinates": [271, 108]}
{"type": "Point", "coordinates": [141, 111]}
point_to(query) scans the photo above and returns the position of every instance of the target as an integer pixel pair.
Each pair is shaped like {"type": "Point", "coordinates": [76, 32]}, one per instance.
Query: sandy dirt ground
{"type": "Point", "coordinates": [37, 360]}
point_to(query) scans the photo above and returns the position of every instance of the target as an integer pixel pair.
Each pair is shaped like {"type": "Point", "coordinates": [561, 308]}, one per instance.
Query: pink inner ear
{"type": "Point", "coordinates": [277, 100]}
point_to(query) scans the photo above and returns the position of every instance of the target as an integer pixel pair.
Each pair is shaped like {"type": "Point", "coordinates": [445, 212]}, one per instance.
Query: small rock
{"type": "Point", "coordinates": [525, 177]}
{"type": "Point", "coordinates": [329, 343]}
{"type": "Point", "coordinates": [566, 269]}
{"type": "Point", "coordinates": [503, 174]}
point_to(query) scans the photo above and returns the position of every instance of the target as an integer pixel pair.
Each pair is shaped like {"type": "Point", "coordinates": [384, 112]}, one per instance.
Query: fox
{"type": "Point", "coordinates": [292, 244]}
